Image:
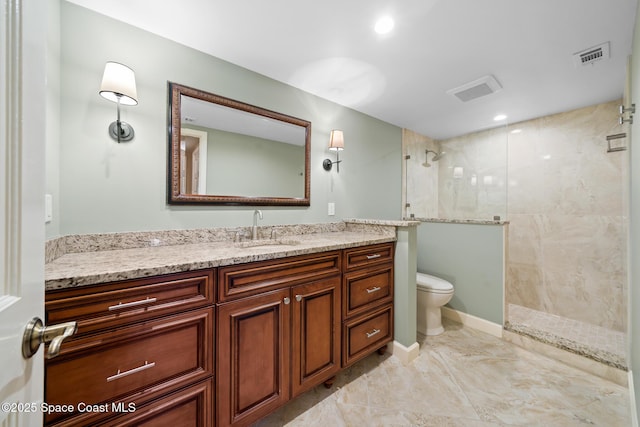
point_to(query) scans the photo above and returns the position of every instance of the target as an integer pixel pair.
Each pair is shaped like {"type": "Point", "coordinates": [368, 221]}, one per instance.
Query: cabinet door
{"type": "Point", "coordinates": [253, 357]}
{"type": "Point", "coordinates": [316, 333]}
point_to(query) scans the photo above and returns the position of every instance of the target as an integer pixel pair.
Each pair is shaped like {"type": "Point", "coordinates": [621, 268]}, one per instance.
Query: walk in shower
{"type": "Point", "coordinates": [563, 192]}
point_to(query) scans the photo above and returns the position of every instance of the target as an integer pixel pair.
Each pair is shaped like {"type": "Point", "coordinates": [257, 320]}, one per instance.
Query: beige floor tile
{"type": "Point", "coordinates": [461, 378]}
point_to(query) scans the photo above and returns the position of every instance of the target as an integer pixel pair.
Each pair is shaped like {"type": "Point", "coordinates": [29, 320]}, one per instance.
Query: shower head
{"type": "Point", "coordinates": [435, 158]}
{"type": "Point", "coordinates": [438, 156]}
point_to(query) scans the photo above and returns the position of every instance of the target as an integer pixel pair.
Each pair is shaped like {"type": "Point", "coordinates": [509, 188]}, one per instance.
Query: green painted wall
{"type": "Point", "coordinates": [471, 257]}
{"type": "Point", "coordinates": [52, 143]}
{"type": "Point", "coordinates": [404, 310]}
{"type": "Point", "coordinates": [110, 187]}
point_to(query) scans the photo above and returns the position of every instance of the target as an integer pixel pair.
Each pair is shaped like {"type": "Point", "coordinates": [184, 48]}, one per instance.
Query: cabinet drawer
{"type": "Point", "coordinates": [366, 333]}
{"type": "Point", "coordinates": [117, 304]}
{"type": "Point", "coordinates": [190, 407]}
{"type": "Point", "coordinates": [368, 255]}
{"type": "Point", "coordinates": [258, 277]}
{"type": "Point", "coordinates": [138, 363]}
{"type": "Point", "coordinates": [366, 289]}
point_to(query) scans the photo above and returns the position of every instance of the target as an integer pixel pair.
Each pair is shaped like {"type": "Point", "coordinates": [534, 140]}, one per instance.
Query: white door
{"type": "Point", "coordinates": [22, 146]}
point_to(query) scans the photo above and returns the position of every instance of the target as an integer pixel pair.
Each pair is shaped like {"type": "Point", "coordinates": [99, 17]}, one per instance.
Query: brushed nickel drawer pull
{"type": "Point", "coordinates": [372, 333]}
{"type": "Point", "coordinates": [298, 298]}
{"type": "Point", "coordinates": [374, 256]}
{"type": "Point", "coordinates": [374, 289]}
{"type": "Point", "coordinates": [121, 305]}
{"type": "Point", "coordinates": [119, 375]}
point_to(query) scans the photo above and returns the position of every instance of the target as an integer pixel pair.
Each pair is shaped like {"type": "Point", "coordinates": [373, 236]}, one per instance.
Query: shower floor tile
{"type": "Point", "coordinates": [601, 344]}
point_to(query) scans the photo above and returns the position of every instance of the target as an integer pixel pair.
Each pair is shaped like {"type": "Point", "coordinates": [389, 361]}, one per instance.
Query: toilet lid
{"type": "Point", "coordinates": [433, 283]}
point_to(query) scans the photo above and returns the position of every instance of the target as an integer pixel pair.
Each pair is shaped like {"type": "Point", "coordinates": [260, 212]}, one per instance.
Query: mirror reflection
{"type": "Point", "coordinates": [227, 152]}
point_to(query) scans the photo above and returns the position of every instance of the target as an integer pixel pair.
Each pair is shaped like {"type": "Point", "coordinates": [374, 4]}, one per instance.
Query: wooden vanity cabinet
{"type": "Point", "coordinates": [270, 330]}
{"type": "Point", "coordinates": [367, 294]}
{"type": "Point", "coordinates": [276, 344]}
{"type": "Point", "coordinates": [143, 347]}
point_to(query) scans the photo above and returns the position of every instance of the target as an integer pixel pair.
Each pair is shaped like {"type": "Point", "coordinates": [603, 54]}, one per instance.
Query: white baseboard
{"type": "Point", "coordinates": [473, 321]}
{"type": "Point", "coordinates": [632, 400]}
{"type": "Point", "coordinates": [405, 354]}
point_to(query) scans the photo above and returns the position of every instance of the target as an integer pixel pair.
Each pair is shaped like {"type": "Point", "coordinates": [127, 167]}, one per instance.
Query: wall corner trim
{"type": "Point", "coordinates": [405, 354]}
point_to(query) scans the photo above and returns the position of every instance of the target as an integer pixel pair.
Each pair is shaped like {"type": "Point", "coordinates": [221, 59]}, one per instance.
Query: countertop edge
{"type": "Point", "coordinates": [464, 221]}
{"type": "Point", "coordinates": [384, 222]}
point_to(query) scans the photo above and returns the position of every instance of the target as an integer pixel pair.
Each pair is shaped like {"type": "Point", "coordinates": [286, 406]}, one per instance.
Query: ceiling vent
{"type": "Point", "coordinates": [591, 55]}
{"type": "Point", "coordinates": [478, 88]}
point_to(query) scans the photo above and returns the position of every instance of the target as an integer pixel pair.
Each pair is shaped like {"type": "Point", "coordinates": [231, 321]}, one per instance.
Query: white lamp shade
{"type": "Point", "coordinates": [119, 84]}
{"type": "Point", "coordinates": [336, 140]}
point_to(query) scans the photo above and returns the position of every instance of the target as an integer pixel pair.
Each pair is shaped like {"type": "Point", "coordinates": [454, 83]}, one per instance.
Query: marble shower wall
{"type": "Point", "coordinates": [567, 212]}
{"type": "Point", "coordinates": [563, 194]}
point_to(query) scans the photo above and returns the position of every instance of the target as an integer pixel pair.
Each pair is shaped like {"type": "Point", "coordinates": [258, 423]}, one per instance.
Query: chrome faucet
{"type": "Point", "coordinates": [254, 231]}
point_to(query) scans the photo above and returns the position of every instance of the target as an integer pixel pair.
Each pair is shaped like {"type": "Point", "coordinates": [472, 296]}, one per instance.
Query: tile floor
{"type": "Point", "coordinates": [601, 344]}
{"type": "Point", "coordinates": [462, 378]}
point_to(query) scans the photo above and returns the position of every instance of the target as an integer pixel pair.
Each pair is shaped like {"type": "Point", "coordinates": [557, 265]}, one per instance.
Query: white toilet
{"type": "Point", "coordinates": [433, 293]}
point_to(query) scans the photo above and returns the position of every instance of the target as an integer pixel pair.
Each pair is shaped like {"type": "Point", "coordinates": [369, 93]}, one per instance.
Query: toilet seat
{"type": "Point", "coordinates": [428, 283]}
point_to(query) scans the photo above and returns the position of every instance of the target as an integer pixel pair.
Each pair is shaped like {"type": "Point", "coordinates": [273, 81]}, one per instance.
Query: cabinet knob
{"type": "Point", "coordinates": [298, 298]}
{"type": "Point", "coordinates": [287, 300]}
{"type": "Point", "coordinates": [36, 333]}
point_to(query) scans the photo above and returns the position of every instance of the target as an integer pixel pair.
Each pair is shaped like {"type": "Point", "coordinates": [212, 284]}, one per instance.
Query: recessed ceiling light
{"type": "Point", "coordinates": [384, 25]}
{"type": "Point", "coordinates": [499, 117]}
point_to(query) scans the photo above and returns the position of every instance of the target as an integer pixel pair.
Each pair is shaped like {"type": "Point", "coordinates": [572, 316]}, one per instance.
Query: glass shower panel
{"type": "Point", "coordinates": [472, 181]}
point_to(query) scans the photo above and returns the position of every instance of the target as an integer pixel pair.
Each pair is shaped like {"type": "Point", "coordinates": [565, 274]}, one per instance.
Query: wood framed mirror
{"type": "Point", "coordinates": [227, 152]}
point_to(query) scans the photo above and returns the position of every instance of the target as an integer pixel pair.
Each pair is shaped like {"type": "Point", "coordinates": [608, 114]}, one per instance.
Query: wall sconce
{"type": "Point", "coordinates": [119, 85]}
{"type": "Point", "coordinates": [336, 143]}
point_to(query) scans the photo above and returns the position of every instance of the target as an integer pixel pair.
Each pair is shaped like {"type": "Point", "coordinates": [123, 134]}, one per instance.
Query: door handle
{"type": "Point", "coordinates": [35, 333]}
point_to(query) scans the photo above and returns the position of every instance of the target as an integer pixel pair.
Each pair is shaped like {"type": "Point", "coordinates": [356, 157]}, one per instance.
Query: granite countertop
{"type": "Point", "coordinates": [92, 267]}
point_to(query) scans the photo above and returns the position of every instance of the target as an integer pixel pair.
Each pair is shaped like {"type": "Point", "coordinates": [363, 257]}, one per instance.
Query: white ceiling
{"type": "Point", "coordinates": [329, 48]}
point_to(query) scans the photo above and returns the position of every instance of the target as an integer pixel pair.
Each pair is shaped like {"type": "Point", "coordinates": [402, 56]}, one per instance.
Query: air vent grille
{"type": "Point", "coordinates": [591, 55]}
